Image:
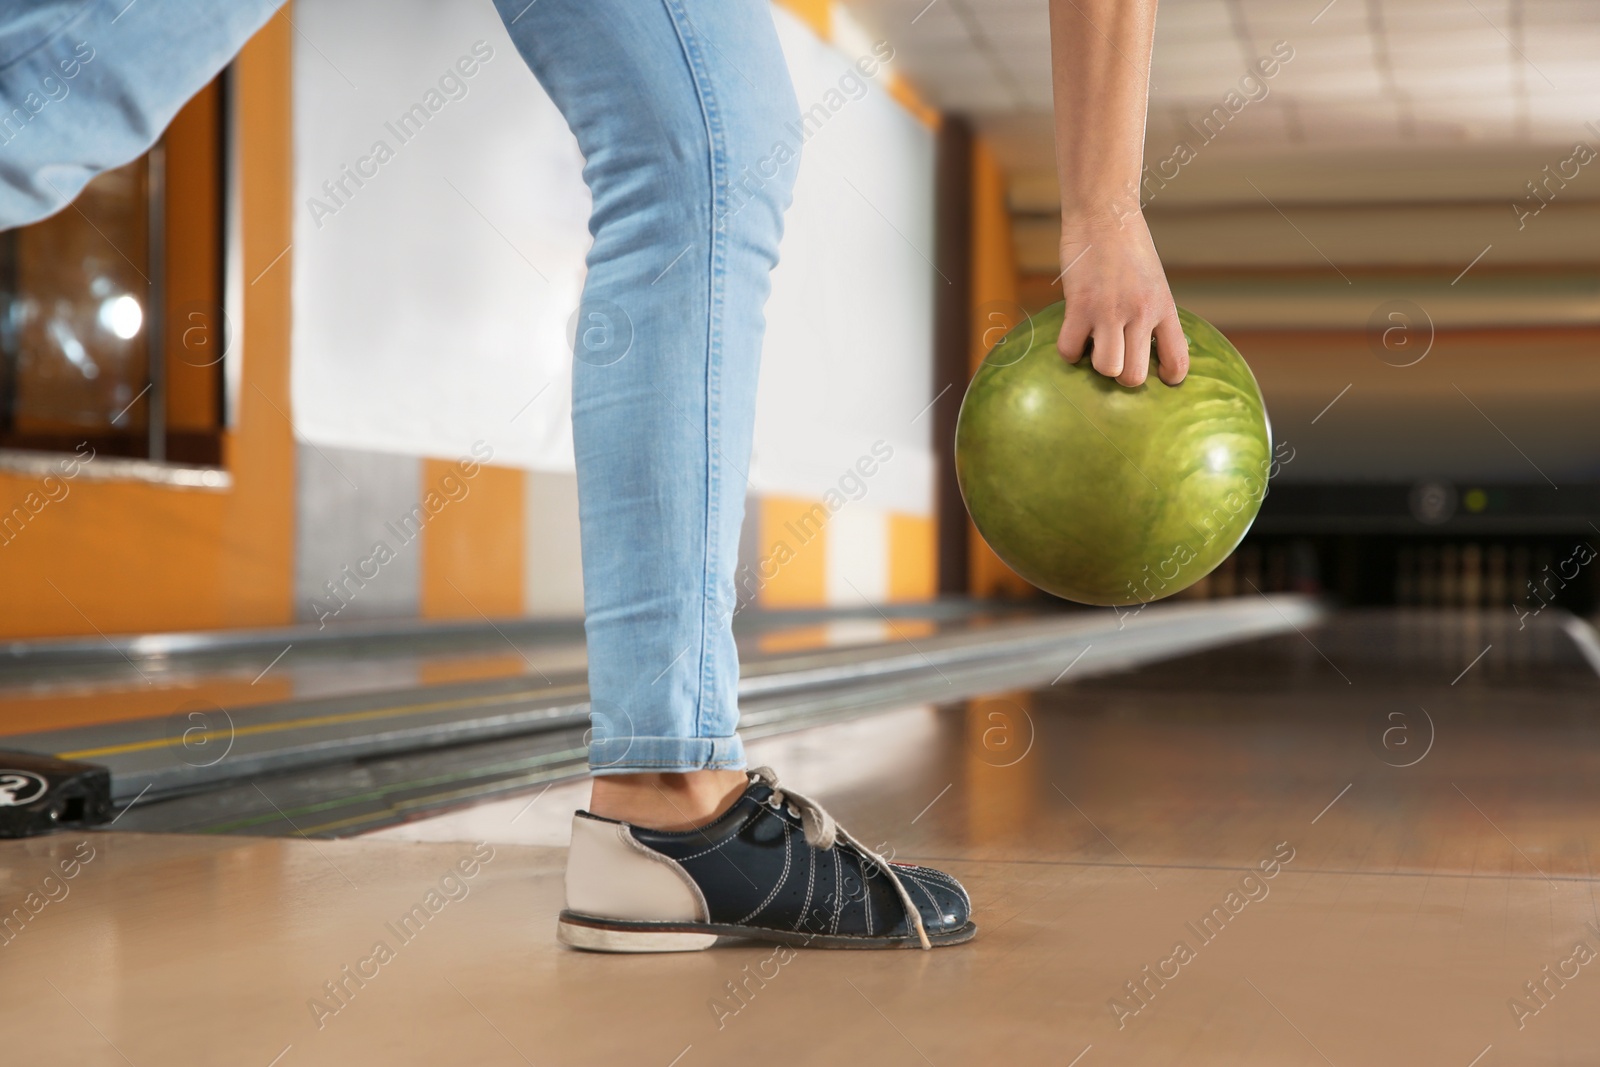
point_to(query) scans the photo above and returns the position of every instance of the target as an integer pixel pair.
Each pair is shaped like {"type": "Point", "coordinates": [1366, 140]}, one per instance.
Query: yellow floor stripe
{"type": "Point", "coordinates": [315, 721]}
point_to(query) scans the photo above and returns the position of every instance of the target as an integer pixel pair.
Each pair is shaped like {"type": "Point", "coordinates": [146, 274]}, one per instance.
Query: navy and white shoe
{"type": "Point", "coordinates": [774, 867]}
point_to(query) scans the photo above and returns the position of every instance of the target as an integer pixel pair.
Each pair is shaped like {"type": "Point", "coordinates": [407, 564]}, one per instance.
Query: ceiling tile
{"type": "Point", "coordinates": [1454, 75]}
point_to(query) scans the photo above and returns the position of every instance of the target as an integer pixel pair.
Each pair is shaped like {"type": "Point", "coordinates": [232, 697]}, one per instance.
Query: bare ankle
{"type": "Point", "coordinates": [666, 801]}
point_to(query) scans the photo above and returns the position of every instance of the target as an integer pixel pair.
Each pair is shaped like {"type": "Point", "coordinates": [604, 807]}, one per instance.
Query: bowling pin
{"type": "Point", "coordinates": [1521, 572]}
{"type": "Point", "coordinates": [1495, 592]}
{"type": "Point", "coordinates": [1225, 579]}
{"type": "Point", "coordinates": [1405, 578]}
{"type": "Point", "coordinates": [1546, 589]}
{"type": "Point", "coordinates": [1428, 577]}
{"type": "Point", "coordinates": [1250, 569]}
{"type": "Point", "coordinates": [1303, 575]}
{"type": "Point", "coordinates": [1472, 576]}
{"type": "Point", "coordinates": [1450, 576]}
{"type": "Point", "coordinates": [1277, 569]}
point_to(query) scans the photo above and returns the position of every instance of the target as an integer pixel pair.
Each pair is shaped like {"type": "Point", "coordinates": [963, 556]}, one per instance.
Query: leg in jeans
{"type": "Point", "coordinates": [87, 85]}
{"type": "Point", "coordinates": [681, 109]}
{"type": "Point", "coordinates": [685, 114]}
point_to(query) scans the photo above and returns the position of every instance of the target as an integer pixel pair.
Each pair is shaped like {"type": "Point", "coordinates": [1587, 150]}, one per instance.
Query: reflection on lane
{"type": "Point", "coordinates": [38, 693]}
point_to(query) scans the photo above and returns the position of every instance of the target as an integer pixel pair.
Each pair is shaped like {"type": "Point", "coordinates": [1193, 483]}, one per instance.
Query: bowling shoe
{"type": "Point", "coordinates": [774, 867]}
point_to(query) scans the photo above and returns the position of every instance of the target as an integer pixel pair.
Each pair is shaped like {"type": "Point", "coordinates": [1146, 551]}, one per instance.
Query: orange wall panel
{"type": "Point", "coordinates": [905, 94]}
{"type": "Point", "coordinates": [994, 257]}
{"type": "Point", "coordinates": [258, 558]}
{"type": "Point", "coordinates": [818, 14]}
{"type": "Point", "coordinates": [472, 547]}
{"type": "Point", "coordinates": [793, 562]}
{"type": "Point", "coordinates": [994, 281]}
{"type": "Point", "coordinates": [194, 270]}
{"type": "Point", "coordinates": [913, 566]}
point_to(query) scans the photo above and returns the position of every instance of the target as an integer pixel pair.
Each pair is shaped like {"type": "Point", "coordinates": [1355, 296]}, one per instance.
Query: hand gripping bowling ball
{"type": "Point", "coordinates": [1103, 494]}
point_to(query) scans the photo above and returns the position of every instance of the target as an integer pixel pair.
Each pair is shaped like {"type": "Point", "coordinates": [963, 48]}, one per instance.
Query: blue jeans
{"type": "Point", "coordinates": [680, 107]}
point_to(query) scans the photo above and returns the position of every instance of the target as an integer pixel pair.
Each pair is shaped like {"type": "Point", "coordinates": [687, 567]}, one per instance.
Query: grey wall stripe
{"type": "Point", "coordinates": [353, 559]}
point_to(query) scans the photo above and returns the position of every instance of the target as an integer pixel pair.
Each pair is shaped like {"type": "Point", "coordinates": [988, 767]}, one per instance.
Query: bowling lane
{"type": "Point", "coordinates": [1396, 742]}
{"type": "Point", "coordinates": [344, 765]}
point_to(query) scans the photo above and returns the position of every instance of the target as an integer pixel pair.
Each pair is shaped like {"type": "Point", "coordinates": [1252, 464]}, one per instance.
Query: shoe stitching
{"type": "Point", "coordinates": [707, 852]}
{"type": "Point", "coordinates": [713, 848]}
{"type": "Point", "coordinates": [788, 860]}
{"type": "Point", "coordinates": [938, 877]}
{"type": "Point", "coordinates": [866, 900]}
{"type": "Point", "coordinates": [838, 894]}
{"type": "Point", "coordinates": [935, 875]}
{"type": "Point", "coordinates": [811, 884]}
{"type": "Point", "coordinates": [937, 911]}
{"type": "Point", "coordinates": [912, 871]}
{"type": "Point", "coordinates": [822, 830]}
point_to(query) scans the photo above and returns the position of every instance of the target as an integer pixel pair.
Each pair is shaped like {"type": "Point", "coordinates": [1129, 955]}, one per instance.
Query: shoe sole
{"type": "Point", "coordinates": [619, 935]}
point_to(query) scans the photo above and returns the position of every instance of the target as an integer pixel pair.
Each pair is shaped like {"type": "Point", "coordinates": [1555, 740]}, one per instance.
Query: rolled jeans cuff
{"type": "Point", "coordinates": [635, 755]}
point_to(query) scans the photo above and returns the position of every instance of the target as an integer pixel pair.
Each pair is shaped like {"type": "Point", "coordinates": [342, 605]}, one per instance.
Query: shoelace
{"type": "Point", "coordinates": [821, 831]}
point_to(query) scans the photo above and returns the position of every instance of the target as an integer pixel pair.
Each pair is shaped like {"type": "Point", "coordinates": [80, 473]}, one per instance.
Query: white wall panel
{"type": "Point", "coordinates": [431, 303]}
{"type": "Point", "coordinates": [422, 322]}
{"type": "Point", "coordinates": [857, 566]}
{"type": "Point", "coordinates": [848, 357]}
{"type": "Point", "coordinates": [553, 558]}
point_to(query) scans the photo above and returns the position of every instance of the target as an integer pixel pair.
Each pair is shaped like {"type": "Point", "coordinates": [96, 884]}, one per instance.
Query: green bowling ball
{"type": "Point", "coordinates": [1103, 494]}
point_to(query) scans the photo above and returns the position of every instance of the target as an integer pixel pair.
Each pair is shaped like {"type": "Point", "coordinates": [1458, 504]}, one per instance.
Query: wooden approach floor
{"type": "Point", "coordinates": [1430, 904]}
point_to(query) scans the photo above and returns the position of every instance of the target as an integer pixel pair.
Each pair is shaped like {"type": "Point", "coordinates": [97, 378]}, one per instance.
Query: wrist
{"type": "Point", "coordinates": [1081, 232]}
{"type": "Point", "coordinates": [1099, 214]}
